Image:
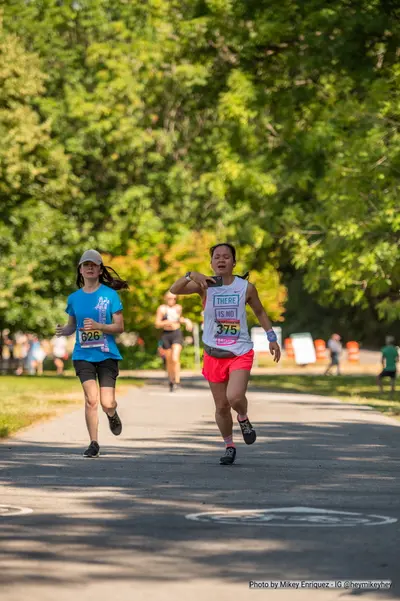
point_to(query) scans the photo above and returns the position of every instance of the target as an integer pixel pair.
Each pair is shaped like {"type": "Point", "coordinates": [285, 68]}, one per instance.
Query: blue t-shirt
{"type": "Point", "coordinates": [100, 306]}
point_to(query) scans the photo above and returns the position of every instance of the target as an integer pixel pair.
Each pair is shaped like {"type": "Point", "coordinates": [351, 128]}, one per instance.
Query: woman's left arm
{"type": "Point", "coordinates": [254, 302]}
{"type": "Point", "coordinates": [116, 327]}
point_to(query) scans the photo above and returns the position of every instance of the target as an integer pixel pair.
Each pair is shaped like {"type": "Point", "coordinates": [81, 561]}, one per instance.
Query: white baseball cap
{"type": "Point", "coordinates": [91, 255]}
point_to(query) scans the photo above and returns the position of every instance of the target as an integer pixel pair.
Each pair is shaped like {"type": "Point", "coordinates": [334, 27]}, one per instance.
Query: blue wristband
{"type": "Point", "coordinates": [272, 337]}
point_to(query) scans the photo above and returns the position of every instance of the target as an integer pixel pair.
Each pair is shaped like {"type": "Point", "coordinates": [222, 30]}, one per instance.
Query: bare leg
{"type": "Point", "coordinates": [392, 387]}
{"type": "Point", "coordinates": [169, 365]}
{"type": "Point", "coordinates": [176, 365]}
{"type": "Point", "coordinates": [223, 415]}
{"type": "Point", "coordinates": [236, 390]}
{"type": "Point", "coordinates": [59, 363]}
{"type": "Point", "coordinates": [91, 404]}
{"type": "Point", "coordinates": [328, 370]}
{"type": "Point", "coordinates": [236, 393]}
{"type": "Point", "coordinates": [107, 400]}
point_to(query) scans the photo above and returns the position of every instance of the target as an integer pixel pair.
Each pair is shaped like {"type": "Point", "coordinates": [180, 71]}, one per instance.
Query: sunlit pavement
{"type": "Point", "coordinates": [116, 527]}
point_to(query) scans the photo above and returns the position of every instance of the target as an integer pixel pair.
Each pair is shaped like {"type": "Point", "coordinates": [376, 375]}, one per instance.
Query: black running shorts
{"type": "Point", "coordinates": [334, 358]}
{"type": "Point", "coordinates": [387, 373]}
{"type": "Point", "coordinates": [170, 338]}
{"type": "Point", "coordinates": [106, 371]}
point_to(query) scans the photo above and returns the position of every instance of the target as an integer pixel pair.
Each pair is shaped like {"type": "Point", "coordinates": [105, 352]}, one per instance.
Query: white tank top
{"type": "Point", "coordinates": [172, 314]}
{"type": "Point", "coordinates": [225, 322]}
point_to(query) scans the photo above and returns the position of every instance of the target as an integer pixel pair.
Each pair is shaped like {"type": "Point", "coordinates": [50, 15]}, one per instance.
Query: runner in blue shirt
{"type": "Point", "coordinates": [95, 315]}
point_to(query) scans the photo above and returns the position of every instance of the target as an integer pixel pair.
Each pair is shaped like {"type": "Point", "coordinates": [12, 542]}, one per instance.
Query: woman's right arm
{"type": "Point", "coordinates": [160, 322]}
{"type": "Point", "coordinates": [197, 284]}
{"type": "Point", "coordinates": [67, 330]}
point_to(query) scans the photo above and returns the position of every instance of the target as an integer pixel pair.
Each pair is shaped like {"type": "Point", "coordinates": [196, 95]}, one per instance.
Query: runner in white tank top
{"type": "Point", "coordinates": [225, 322]}
{"type": "Point", "coordinates": [228, 350]}
{"type": "Point", "coordinates": [169, 319]}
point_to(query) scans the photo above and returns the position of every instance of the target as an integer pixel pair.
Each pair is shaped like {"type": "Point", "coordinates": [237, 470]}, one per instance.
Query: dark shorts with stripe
{"type": "Point", "coordinates": [105, 372]}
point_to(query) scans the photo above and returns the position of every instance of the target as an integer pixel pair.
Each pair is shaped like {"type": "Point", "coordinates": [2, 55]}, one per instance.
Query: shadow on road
{"type": "Point", "coordinates": [132, 526]}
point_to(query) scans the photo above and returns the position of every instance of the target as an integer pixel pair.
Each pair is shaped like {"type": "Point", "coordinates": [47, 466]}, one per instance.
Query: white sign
{"type": "Point", "coordinates": [303, 347]}
{"type": "Point", "coordinates": [260, 340]}
{"type": "Point", "coordinates": [292, 517]}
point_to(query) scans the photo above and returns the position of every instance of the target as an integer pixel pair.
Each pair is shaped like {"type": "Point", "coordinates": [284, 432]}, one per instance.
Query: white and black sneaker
{"type": "Point", "coordinates": [248, 432]}
{"type": "Point", "coordinates": [93, 450]}
{"type": "Point", "coordinates": [115, 424]}
{"type": "Point", "coordinates": [229, 457]}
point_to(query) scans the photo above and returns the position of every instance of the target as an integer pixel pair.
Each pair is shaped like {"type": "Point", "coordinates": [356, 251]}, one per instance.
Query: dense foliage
{"type": "Point", "coordinates": [149, 130]}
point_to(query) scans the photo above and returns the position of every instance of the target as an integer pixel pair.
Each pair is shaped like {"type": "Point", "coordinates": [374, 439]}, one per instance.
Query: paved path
{"type": "Point", "coordinates": [370, 364]}
{"type": "Point", "coordinates": [116, 527]}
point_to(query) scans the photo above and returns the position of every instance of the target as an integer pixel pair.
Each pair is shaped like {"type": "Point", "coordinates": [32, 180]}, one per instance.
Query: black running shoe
{"type": "Point", "coordinates": [171, 387]}
{"type": "Point", "coordinates": [93, 450]}
{"type": "Point", "coordinates": [249, 434]}
{"type": "Point", "coordinates": [115, 424]}
{"type": "Point", "coordinates": [229, 457]}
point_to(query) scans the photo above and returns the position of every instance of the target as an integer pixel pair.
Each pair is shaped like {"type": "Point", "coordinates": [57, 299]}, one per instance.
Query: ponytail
{"type": "Point", "coordinates": [116, 283]}
{"type": "Point", "coordinates": [245, 276]}
{"type": "Point", "coordinates": [111, 280]}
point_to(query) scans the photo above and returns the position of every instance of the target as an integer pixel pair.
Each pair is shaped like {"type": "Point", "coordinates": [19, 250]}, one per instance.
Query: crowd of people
{"type": "Point", "coordinates": [24, 353]}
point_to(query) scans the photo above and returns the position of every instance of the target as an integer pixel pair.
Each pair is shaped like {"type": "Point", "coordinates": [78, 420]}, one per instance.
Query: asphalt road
{"type": "Point", "coordinates": [117, 527]}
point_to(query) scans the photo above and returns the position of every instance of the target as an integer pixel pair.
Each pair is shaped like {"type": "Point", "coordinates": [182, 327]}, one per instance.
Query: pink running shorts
{"type": "Point", "coordinates": [218, 370]}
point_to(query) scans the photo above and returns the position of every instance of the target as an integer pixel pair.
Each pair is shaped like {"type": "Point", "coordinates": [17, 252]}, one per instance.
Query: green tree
{"type": "Point", "coordinates": [34, 185]}
{"type": "Point", "coordinates": [274, 124]}
{"type": "Point", "coordinates": [32, 164]}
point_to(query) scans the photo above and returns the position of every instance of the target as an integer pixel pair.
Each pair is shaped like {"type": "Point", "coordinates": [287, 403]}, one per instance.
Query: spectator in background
{"type": "Point", "coordinates": [335, 348]}
{"type": "Point", "coordinates": [38, 355]}
{"type": "Point", "coordinates": [7, 345]}
{"type": "Point", "coordinates": [60, 354]}
{"type": "Point", "coordinates": [29, 355]}
{"type": "Point", "coordinates": [21, 349]}
{"type": "Point", "coordinates": [390, 358]}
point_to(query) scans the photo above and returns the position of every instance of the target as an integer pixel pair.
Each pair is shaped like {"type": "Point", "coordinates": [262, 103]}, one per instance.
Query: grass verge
{"type": "Point", "coordinates": [25, 400]}
{"type": "Point", "coordinates": [361, 390]}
